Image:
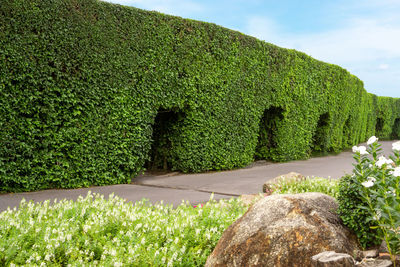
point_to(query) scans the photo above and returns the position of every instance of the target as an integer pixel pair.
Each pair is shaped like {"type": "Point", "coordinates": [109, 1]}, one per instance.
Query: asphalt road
{"type": "Point", "coordinates": [173, 188]}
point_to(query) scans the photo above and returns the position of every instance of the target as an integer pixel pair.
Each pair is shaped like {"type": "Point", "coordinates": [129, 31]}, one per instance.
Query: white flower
{"type": "Point", "coordinates": [370, 182]}
{"type": "Point", "coordinates": [381, 161]}
{"type": "Point", "coordinates": [367, 183]}
{"type": "Point", "coordinates": [378, 215]}
{"type": "Point", "coordinates": [86, 228]}
{"type": "Point", "coordinates": [393, 193]}
{"type": "Point", "coordinates": [395, 172]}
{"type": "Point", "coordinates": [396, 146]}
{"type": "Point", "coordinates": [372, 140]}
{"type": "Point", "coordinates": [361, 149]}
{"type": "Point", "coordinates": [113, 252]}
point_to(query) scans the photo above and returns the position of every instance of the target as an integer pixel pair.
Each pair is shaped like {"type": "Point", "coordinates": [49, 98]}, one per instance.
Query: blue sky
{"type": "Point", "coordinates": [362, 36]}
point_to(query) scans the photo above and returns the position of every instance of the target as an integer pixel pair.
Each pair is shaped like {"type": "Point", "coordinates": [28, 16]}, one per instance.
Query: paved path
{"type": "Point", "coordinates": [174, 187]}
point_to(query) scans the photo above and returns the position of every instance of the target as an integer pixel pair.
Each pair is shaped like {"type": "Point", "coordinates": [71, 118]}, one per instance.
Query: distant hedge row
{"type": "Point", "coordinates": [91, 93]}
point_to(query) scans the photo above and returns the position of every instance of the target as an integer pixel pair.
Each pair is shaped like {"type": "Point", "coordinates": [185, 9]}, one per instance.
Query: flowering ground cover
{"type": "Point", "coordinates": [94, 231]}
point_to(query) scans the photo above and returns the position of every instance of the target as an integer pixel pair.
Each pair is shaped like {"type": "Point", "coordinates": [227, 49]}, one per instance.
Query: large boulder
{"type": "Point", "coordinates": [284, 230]}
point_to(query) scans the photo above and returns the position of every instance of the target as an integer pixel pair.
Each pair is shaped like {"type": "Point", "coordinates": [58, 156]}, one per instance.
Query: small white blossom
{"type": "Point", "coordinates": [378, 215]}
{"type": "Point", "coordinates": [395, 172]}
{"type": "Point", "coordinates": [396, 146]}
{"type": "Point", "coordinates": [113, 252]}
{"type": "Point", "coordinates": [86, 228]}
{"type": "Point", "coordinates": [361, 149]}
{"type": "Point", "coordinates": [370, 182]}
{"type": "Point", "coordinates": [372, 140]}
{"type": "Point", "coordinates": [393, 193]}
{"type": "Point", "coordinates": [382, 161]}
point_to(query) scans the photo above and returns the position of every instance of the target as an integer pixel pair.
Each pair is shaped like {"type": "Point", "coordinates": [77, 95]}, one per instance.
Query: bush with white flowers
{"type": "Point", "coordinates": [376, 178]}
{"type": "Point", "coordinates": [94, 231]}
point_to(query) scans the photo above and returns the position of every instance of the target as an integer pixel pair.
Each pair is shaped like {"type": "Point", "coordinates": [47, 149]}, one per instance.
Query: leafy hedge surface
{"type": "Point", "coordinates": [83, 83]}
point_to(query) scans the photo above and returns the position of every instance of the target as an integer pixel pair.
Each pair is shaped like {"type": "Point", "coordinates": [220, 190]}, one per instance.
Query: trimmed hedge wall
{"type": "Point", "coordinates": [86, 86]}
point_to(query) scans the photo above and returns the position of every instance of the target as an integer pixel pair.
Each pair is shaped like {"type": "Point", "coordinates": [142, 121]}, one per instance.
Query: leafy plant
{"type": "Point", "coordinates": [353, 216]}
{"type": "Point", "coordinates": [375, 183]}
{"type": "Point", "coordinates": [110, 232]}
{"type": "Point", "coordinates": [317, 184]}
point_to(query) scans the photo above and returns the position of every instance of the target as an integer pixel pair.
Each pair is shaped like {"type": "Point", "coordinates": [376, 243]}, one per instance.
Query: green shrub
{"type": "Point", "coordinates": [369, 200]}
{"type": "Point", "coordinates": [110, 232]}
{"type": "Point", "coordinates": [84, 83]}
{"type": "Point", "coordinates": [321, 185]}
{"type": "Point", "coordinates": [353, 216]}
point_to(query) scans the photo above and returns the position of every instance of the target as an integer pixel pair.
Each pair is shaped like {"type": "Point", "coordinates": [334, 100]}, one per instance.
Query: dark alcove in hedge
{"type": "Point", "coordinates": [379, 127]}
{"type": "Point", "coordinates": [166, 128]}
{"type": "Point", "coordinates": [396, 129]}
{"type": "Point", "coordinates": [269, 124]}
{"type": "Point", "coordinates": [347, 133]}
{"type": "Point", "coordinates": [320, 138]}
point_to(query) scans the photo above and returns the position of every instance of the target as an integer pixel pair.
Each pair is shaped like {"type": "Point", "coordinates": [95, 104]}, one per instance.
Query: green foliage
{"type": "Point", "coordinates": [321, 185]}
{"type": "Point", "coordinates": [98, 232]}
{"type": "Point", "coordinates": [396, 130]}
{"type": "Point", "coordinates": [82, 83]}
{"type": "Point", "coordinates": [375, 193]}
{"type": "Point", "coordinates": [353, 216]}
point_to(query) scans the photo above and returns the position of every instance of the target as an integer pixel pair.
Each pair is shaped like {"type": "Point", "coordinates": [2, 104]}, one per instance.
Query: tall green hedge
{"type": "Point", "coordinates": [91, 93]}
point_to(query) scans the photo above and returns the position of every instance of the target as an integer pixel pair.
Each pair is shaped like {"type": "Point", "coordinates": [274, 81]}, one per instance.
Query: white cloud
{"type": "Point", "coordinates": [360, 46]}
{"type": "Point", "coordinates": [383, 66]}
{"type": "Point", "coordinates": [362, 40]}
{"type": "Point", "coordinates": [262, 28]}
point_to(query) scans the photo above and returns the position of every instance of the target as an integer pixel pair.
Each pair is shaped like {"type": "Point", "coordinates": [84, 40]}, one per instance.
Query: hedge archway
{"type": "Point", "coordinates": [321, 134]}
{"type": "Point", "coordinates": [396, 130]}
{"type": "Point", "coordinates": [269, 124]}
{"type": "Point", "coordinates": [379, 126]}
{"type": "Point", "coordinates": [166, 129]}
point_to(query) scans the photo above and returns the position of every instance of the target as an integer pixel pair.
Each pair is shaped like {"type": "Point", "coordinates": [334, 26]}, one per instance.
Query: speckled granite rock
{"type": "Point", "coordinates": [332, 259]}
{"type": "Point", "coordinates": [284, 230]}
